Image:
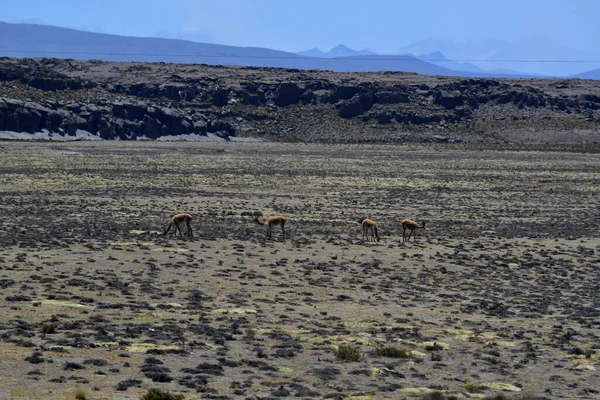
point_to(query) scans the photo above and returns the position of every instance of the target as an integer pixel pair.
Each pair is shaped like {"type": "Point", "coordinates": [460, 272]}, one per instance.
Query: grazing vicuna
{"type": "Point", "coordinates": [370, 226]}
{"type": "Point", "coordinates": [271, 221]}
{"type": "Point", "coordinates": [176, 221]}
{"type": "Point", "coordinates": [412, 226]}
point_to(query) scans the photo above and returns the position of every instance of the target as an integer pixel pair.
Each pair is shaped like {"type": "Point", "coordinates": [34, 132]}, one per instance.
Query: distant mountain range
{"type": "Point", "coordinates": [440, 59]}
{"type": "Point", "coordinates": [338, 51]}
{"type": "Point", "coordinates": [32, 40]}
{"type": "Point", "coordinates": [593, 74]}
{"type": "Point", "coordinates": [529, 56]}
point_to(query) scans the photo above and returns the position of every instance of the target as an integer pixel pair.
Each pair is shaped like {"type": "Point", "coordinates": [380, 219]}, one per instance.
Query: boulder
{"type": "Point", "coordinates": [391, 97]}
{"type": "Point", "coordinates": [308, 97]}
{"type": "Point", "coordinates": [449, 100]}
{"type": "Point", "coordinates": [26, 120]}
{"type": "Point", "coordinates": [256, 98]}
{"type": "Point", "coordinates": [139, 90]}
{"type": "Point", "coordinates": [72, 123]}
{"type": "Point", "coordinates": [328, 97]}
{"type": "Point", "coordinates": [220, 97]}
{"type": "Point", "coordinates": [288, 94]}
{"type": "Point", "coordinates": [132, 129]}
{"type": "Point", "coordinates": [347, 92]}
{"type": "Point", "coordinates": [356, 106]}
{"type": "Point", "coordinates": [384, 118]}
{"type": "Point", "coordinates": [418, 119]}
{"type": "Point", "coordinates": [11, 72]}
{"type": "Point", "coordinates": [592, 98]}
{"type": "Point", "coordinates": [200, 127]}
{"type": "Point", "coordinates": [351, 109]}
{"type": "Point", "coordinates": [177, 92]}
{"type": "Point", "coordinates": [129, 111]}
{"type": "Point", "coordinates": [48, 84]}
{"type": "Point", "coordinates": [174, 122]}
{"type": "Point", "coordinates": [152, 128]}
{"type": "Point", "coordinates": [222, 128]}
{"type": "Point", "coordinates": [54, 120]}
{"type": "Point", "coordinates": [366, 100]}
{"type": "Point", "coordinates": [106, 129]}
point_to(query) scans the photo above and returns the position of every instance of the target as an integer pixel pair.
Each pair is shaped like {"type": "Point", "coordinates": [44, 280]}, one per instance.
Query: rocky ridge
{"type": "Point", "coordinates": [152, 100]}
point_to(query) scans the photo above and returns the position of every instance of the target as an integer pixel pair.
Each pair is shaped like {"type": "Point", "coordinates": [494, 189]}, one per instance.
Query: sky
{"type": "Point", "coordinates": [383, 26]}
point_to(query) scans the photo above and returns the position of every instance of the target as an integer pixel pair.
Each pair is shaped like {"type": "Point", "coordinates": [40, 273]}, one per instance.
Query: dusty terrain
{"type": "Point", "coordinates": [499, 293]}
{"type": "Point", "coordinates": [155, 100]}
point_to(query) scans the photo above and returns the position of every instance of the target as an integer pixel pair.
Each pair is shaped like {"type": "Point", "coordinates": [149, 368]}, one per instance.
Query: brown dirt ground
{"type": "Point", "coordinates": [499, 293]}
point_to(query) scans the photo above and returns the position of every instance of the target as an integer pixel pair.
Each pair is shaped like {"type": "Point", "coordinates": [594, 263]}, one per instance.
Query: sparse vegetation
{"type": "Point", "coordinates": [347, 353]}
{"type": "Point", "coordinates": [434, 347]}
{"type": "Point", "coordinates": [159, 394]}
{"type": "Point", "coordinates": [70, 366]}
{"type": "Point", "coordinates": [392, 352]}
{"type": "Point", "coordinates": [438, 396]}
{"type": "Point", "coordinates": [250, 333]}
{"type": "Point", "coordinates": [502, 396]}
{"type": "Point", "coordinates": [472, 387]}
{"type": "Point", "coordinates": [484, 281]}
{"type": "Point", "coordinates": [48, 329]}
{"type": "Point", "coordinates": [80, 394]}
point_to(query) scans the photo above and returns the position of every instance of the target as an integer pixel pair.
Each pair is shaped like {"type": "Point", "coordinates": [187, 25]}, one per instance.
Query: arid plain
{"type": "Point", "coordinates": [499, 294]}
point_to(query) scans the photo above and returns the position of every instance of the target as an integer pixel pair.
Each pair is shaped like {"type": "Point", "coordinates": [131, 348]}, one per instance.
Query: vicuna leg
{"type": "Point", "coordinates": [283, 229]}
{"type": "Point", "coordinates": [189, 228]}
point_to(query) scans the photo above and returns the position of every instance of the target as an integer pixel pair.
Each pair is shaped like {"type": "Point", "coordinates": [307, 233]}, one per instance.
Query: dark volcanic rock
{"type": "Point", "coordinates": [384, 118]}
{"type": "Point", "coordinates": [391, 97]}
{"type": "Point", "coordinates": [106, 129]}
{"type": "Point", "coordinates": [346, 92]}
{"type": "Point", "coordinates": [254, 98]}
{"type": "Point", "coordinates": [308, 97]}
{"type": "Point", "coordinates": [153, 128]}
{"type": "Point", "coordinates": [449, 100]}
{"type": "Point", "coordinates": [133, 100]}
{"type": "Point", "coordinates": [220, 97]}
{"type": "Point", "coordinates": [288, 94]}
{"type": "Point", "coordinates": [11, 72]}
{"type": "Point", "coordinates": [418, 119]}
{"type": "Point", "coordinates": [356, 106]}
{"type": "Point", "coordinates": [129, 110]}
{"type": "Point", "coordinates": [121, 120]}
{"type": "Point", "coordinates": [351, 109]}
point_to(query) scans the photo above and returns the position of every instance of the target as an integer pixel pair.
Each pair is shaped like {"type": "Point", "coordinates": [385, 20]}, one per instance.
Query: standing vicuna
{"type": "Point", "coordinates": [176, 221]}
{"type": "Point", "coordinates": [271, 221]}
{"type": "Point", "coordinates": [370, 226]}
{"type": "Point", "coordinates": [412, 226]}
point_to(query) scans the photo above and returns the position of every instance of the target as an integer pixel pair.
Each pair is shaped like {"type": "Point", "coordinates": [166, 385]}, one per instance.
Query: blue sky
{"type": "Point", "coordinates": [293, 25]}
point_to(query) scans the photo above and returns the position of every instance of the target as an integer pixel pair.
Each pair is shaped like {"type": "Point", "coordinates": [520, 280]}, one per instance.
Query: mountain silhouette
{"type": "Point", "coordinates": [593, 74]}
{"type": "Point", "coordinates": [535, 55]}
{"type": "Point", "coordinates": [338, 51]}
{"type": "Point", "coordinates": [31, 40]}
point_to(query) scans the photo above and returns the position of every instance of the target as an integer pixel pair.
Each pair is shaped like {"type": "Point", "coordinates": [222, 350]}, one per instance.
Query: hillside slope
{"type": "Point", "coordinates": [152, 100]}
{"type": "Point", "coordinates": [592, 74]}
